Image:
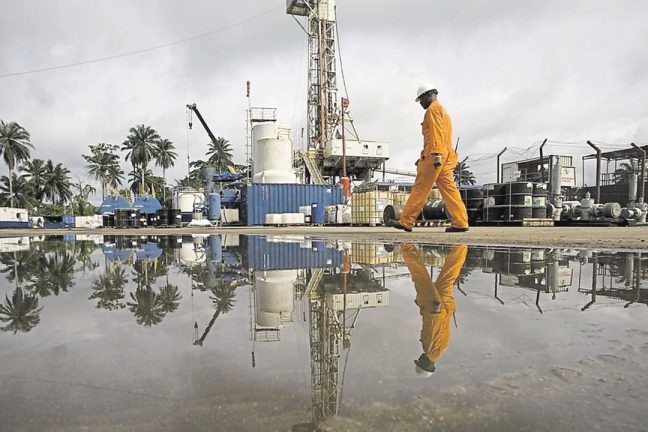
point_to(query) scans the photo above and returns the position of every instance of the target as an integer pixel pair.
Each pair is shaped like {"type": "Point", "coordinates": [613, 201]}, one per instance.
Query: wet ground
{"type": "Point", "coordinates": [231, 332]}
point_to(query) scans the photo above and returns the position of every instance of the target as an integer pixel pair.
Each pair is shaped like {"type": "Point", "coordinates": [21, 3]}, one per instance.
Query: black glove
{"type": "Point", "coordinates": [437, 160]}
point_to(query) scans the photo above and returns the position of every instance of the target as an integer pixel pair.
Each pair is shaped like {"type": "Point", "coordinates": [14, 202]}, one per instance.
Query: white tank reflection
{"type": "Point", "coordinates": [275, 299]}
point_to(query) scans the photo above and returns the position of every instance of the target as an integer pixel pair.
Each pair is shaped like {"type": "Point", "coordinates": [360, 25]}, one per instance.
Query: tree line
{"type": "Point", "coordinates": [45, 187]}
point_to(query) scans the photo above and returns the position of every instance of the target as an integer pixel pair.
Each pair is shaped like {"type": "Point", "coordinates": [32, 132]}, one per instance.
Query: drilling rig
{"type": "Point", "coordinates": [327, 149]}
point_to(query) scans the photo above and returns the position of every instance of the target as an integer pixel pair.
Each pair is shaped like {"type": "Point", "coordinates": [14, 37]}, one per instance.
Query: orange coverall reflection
{"type": "Point", "coordinates": [435, 330]}
{"type": "Point", "coordinates": [437, 139]}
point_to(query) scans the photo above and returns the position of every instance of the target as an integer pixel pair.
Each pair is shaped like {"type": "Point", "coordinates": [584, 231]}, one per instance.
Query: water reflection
{"type": "Point", "coordinates": [283, 283]}
{"type": "Point", "coordinates": [435, 301]}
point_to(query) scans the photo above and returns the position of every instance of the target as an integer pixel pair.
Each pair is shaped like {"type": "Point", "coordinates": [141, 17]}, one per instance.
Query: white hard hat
{"type": "Point", "coordinates": [423, 89]}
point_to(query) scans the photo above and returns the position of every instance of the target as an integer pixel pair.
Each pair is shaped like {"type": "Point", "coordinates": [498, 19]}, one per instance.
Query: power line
{"type": "Point", "coordinates": [140, 51]}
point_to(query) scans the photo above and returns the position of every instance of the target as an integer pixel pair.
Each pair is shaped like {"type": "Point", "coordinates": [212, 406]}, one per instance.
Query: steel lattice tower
{"type": "Point", "coordinates": [322, 70]}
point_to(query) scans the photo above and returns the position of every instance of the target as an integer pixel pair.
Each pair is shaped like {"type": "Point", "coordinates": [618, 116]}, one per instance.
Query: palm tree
{"type": "Point", "coordinates": [59, 186]}
{"type": "Point", "coordinates": [152, 182]}
{"type": "Point", "coordinates": [16, 190]}
{"type": "Point", "coordinates": [103, 165]}
{"type": "Point", "coordinates": [80, 204]}
{"type": "Point", "coordinates": [625, 170]}
{"type": "Point", "coordinates": [36, 174]}
{"type": "Point", "coordinates": [463, 175]}
{"type": "Point", "coordinates": [165, 158]}
{"type": "Point", "coordinates": [21, 312]}
{"type": "Point", "coordinates": [14, 146]}
{"type": "Point", "coordinates": [220, 154]}
{"type": "Point", "coordinates": [140, 146]}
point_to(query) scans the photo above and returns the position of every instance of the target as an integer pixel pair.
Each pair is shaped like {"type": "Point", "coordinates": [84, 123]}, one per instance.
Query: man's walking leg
{"type": "Point", "coordinates": [452, 197]}
{"type": "Point", "coordinates": [426, 174]}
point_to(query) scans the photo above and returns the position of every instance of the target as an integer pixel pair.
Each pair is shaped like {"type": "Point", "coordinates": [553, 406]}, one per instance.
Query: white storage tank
{"type": "Point", "coordinates": [272, 154]}
{"type": "Point", "coordinates": [185, 200]}
{"type": "Point", "coordinates": [275, 292]}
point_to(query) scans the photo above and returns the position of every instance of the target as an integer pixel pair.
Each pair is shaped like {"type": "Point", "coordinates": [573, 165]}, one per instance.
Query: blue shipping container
{"type": "Point", "coordinates": [260, 254]}
{"type": "Point", "coordinates": [257, 200]}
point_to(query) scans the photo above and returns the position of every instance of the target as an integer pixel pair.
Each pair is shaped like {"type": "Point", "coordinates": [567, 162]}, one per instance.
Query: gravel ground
{"type": "Point", "coordinates": [609, 238]}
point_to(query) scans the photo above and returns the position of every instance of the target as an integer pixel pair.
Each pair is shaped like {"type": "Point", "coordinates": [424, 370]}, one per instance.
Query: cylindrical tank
{"type": "Point", "coordinates": [191, 253]}
{"type": "Point", "coordinates": [632, 187]}
{"type": "Point", "coordinates": [215, 249]}
{"type": "Point", "coordinates": [610, 210]}
{"type": "Point", "coordinates": [214, 206]}
{"type": "Point", "coordinates": [162, 217]}
{"type": "Point", "coordinates": [175, 217]}
{"type": "Point", "coordinates": [272, 155]}
{"type": "Point", "coordinates": [275, 291]}
{"type": "Point", "coordinates": [473, 200]}
{"type": "Point", "coordinates": [392, 212]}
{"type": "Point", "coordinates": [186, 200]}
{"type": "Point", "coordinates": [317, 214]}
{"type": "Point", "coordinates": [435, 210]}
{"type": "Point", "coordinates": [151, 220]}
{"type": "Point", "coordinates": [345, 183]}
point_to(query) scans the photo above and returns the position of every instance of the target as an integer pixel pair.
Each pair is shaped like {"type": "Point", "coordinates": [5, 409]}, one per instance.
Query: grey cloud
{"type": "Point", "coordinates": [510, 72]}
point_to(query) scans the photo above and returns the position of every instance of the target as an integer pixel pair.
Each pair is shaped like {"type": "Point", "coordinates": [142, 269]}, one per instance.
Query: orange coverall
{"type": "Point", "coordinates": [437, 138]}
{"type": "Point", "coordinates": [435, 330]}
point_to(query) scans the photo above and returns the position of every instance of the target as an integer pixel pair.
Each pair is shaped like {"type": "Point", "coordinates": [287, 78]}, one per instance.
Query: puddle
{"type": "Point", "coordinates": [294, 333]}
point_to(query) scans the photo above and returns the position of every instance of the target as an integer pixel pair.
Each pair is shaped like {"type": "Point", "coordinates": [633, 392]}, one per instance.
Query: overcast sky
{"type": "Point", "coordinates": [510, 73]}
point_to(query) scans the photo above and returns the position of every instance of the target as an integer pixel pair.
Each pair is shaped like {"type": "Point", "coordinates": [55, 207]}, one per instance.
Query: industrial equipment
{"type": "Point", "coordinates": [327, 147]}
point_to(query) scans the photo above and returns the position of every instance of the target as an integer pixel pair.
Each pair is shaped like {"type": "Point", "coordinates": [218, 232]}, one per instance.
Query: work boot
{"type": "Point", "coordinates": [455, 229]}
{"type": "Point", "coordinates": [396, 224]}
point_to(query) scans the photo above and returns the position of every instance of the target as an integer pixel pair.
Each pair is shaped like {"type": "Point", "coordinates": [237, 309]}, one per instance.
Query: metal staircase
{"type": "Point", "coordinates": [313, 169]}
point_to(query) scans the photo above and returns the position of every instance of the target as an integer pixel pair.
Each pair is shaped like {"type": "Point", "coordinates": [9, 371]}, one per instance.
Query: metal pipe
{"type": "Point", "coordinates": [642, 180]}
{"type": "Point", "coordinates": [498, 163]}
{"type": "Point", "coordinates": [598, 170]}
{"type": "Point", "coordinates": [542, 168]}
{"type": "Point", "coordinates": [345, 103]}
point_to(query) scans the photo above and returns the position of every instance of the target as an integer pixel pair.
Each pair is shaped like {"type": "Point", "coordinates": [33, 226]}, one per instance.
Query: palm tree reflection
{"type": "Point", "coordinates": [108, 289]}
{"type": "Point", "coordinates": [21, 312]}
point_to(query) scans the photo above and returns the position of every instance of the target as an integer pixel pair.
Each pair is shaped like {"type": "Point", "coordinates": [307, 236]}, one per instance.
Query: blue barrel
{"type": "Point", "coordinates": [68, 221]}
{"type": "Point", "coordinates": [214, 206]}
{"type": "Point", "coordinates": [317, 214]}
{"type": "Point", "coordinates": [319, 246]}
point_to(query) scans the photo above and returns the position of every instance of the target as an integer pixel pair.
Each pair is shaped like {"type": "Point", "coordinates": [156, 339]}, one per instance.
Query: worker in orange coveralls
{"type": "Point", "coordinates": [435, 302]}
{"type": "Point", "coordinates": [436, 165]}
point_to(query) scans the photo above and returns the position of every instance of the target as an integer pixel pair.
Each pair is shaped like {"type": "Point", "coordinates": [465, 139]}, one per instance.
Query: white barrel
{"type": "Point", "coordinates": [285, 218]}
{"type": "Point", "coordinates": [298, 218]}
{"type": "Point", "coordinates": [272, 219]}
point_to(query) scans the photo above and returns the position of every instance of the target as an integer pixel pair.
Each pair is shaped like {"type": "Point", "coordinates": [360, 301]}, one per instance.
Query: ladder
{"type": "Point", "coordinates": [313, 169]}
{"type": "Point", "coordinates": [313, 283]}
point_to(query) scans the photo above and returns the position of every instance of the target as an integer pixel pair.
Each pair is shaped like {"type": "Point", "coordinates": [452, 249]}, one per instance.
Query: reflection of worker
{"type": "Point", "coordinates": [436, 165]}
{"type": "Point", "coordinates": [435, 302]}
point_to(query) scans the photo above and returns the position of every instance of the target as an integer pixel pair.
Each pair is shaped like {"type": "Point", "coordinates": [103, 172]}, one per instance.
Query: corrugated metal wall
{"type": "Point", "coordinates": [257, 200]}
{"type": "Point", "coordinates": [262, 254]}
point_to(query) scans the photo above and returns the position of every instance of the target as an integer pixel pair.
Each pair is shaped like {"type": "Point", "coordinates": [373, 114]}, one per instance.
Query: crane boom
{"type": "Point", "coordinates": [193, 108]}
